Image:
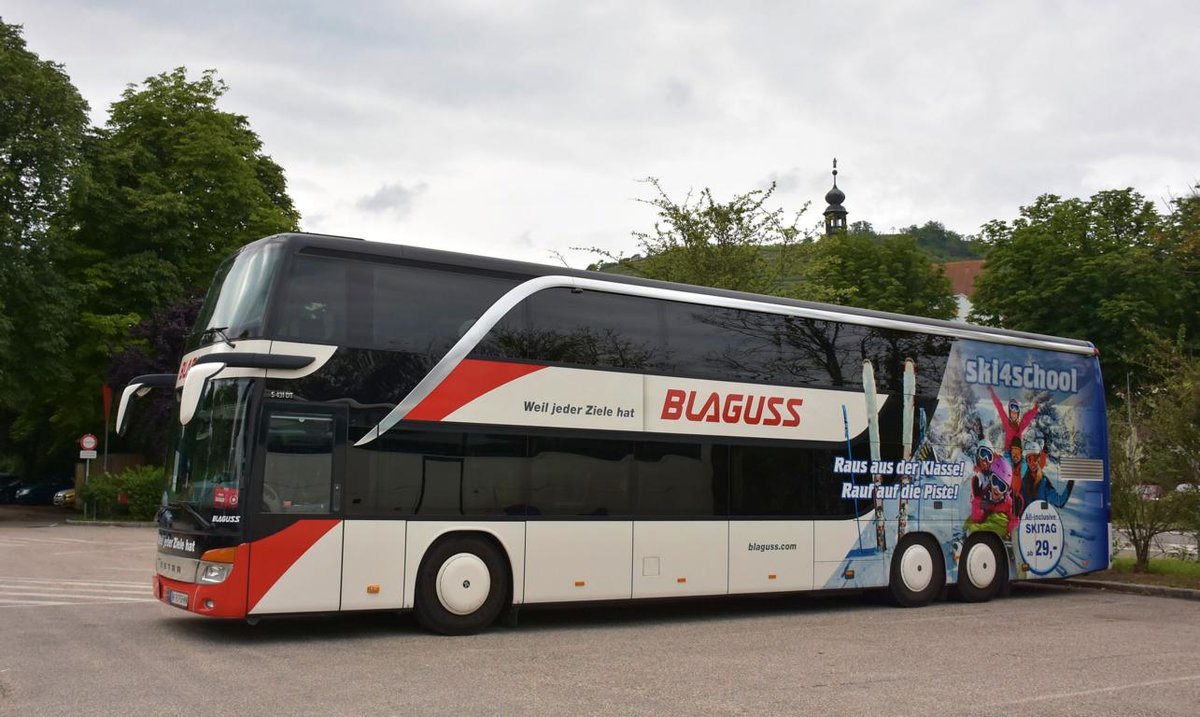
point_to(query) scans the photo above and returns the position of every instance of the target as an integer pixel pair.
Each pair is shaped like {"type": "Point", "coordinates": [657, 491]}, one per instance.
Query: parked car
{"type": "Point", "coordinates": [42, 493]}
{"type": "Point", "coordinates": [65, 498]}
{"type": "Point", "coordinates": [8, 489]}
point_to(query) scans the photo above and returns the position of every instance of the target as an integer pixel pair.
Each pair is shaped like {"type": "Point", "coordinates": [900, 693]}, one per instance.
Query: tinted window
{"type": "Point", "coordinates": [722, 343]}
{"type": "Point", "coordinates": [406, 472]}
{"type": "Point", "coordinates": [792, 482]}
{"type": "Point", "coordinates": [681, 479]}
{"type": "Point", "coordinates": [364, 304]}
{"type": "Point", "coordinates": [495, 475]}
{"type": "Point", "coordinates": [579, 476]}
{"type": "Point", "coordinates": [771, 481]}
{"type": "Point", "coordinates": [442, 473]}
{"type": "Point", "coordinates": [584, 328]}
{"type": "Point", "coordinates": [299, 463]}
{"type": "Point", "coordinates": [597, 329]}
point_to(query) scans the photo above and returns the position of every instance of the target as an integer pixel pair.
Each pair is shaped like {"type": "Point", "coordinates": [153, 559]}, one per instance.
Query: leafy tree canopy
{"type": "Point", "coordinates": [42, 123]}
{"type": "Point", "coordinates": [1103, 269]}
{"type": "Point", "coordinates": [739, 244]}
{"type": "Point", "coordinates": [168, 187]}
{"type": "Point", "coordinates": [889, 273]}
{"type": "Point", "coordinates": [943, 244]}
{"type": "Point", "coordinates": [173, 185]}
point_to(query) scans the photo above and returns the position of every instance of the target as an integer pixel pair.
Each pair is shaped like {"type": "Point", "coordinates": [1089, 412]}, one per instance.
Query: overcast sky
{"type": "Point", "coordinates": [519, 128]}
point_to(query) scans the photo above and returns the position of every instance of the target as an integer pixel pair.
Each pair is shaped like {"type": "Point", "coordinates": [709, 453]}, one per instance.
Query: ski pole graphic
{"type": "Point", "coordinates": [873, 434]}
{"type": "Point", "coordinates": [924, 451]}
{"type": "Point", "coordinates": [910, 388]}
{"type": "Point", "coordinates": [850, 457]}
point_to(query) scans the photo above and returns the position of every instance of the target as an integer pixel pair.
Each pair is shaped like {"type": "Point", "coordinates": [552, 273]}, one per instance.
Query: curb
{"type": "Point", "coordinates": [1133, 588]}
{"type": "Point", "coordinates": [113, 523]}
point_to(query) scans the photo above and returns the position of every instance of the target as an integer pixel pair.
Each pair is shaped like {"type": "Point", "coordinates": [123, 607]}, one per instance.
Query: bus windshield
{"type": "Point", "coordinates": [212, 459]}
{"type": "Point", "coordinates": [237, 300]}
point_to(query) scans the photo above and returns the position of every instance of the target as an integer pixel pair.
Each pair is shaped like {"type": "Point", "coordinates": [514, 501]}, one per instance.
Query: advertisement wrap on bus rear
{"type": "Point", "coordinates": [1014, 446]}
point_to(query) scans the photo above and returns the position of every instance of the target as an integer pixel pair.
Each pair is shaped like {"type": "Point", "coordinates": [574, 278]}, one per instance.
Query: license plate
{"type": "Point", "coordinates": [178, 599]}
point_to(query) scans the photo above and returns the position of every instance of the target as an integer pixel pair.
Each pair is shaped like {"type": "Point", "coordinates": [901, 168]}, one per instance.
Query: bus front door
{"type": "Point", "coordinates": [297, 532]}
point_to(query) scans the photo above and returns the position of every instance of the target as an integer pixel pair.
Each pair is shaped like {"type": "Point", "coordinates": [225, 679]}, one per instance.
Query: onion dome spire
{"type": "Point", "coordinates": [835, 213]}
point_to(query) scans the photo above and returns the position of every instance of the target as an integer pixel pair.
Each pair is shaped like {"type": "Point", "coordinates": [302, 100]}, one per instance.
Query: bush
{"type": "Point", "coordinates": [101, 494]}
{"type": "Point", "coordinates": [144, 486]}
{"type": "Point", "coordinates": [136, 492]}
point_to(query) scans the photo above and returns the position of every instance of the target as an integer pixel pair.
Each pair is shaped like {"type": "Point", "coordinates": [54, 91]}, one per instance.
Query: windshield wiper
{"type": "Point", "coordinates": [196, 514]}
{"type": "Point", "coordinates": [218, 331]}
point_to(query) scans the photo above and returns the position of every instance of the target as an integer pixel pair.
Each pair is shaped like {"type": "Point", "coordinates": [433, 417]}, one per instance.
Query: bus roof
{"type": "Point", "coordinates": [354, 246]}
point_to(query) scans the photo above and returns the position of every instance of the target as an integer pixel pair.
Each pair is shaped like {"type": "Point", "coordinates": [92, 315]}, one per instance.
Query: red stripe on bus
{"type": "Point", "coordinates": [273, 556]}
{"type": "Point", "coordinates": [468, 381]}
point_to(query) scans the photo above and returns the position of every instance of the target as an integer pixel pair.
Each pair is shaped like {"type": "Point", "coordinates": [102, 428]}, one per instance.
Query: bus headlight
{"type": "Point", "coordinates": [215, 565]}
{"type": "Point", "coordinates": [214, 572]}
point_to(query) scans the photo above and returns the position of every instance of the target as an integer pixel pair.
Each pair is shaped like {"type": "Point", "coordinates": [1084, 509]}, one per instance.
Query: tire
{"type": "Point", "coordinates": [918, 572]}
{"type": "Point", "coordinates": [982, 569]}
{"type": "Point", "coordinates": [462, 586]}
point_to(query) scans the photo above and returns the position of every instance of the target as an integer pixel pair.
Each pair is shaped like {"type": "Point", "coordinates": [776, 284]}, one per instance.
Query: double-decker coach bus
{"type": "Point", "coordinates": [366, 426]}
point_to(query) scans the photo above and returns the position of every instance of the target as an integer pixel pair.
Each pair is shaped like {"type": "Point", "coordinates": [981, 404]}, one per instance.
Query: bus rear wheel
{"type": "Point", "coordinates": [461, 586]}
{"type": "Point", "coordinates": [918, 571]}
{"type": "Point", "coordinates": [981, 569]}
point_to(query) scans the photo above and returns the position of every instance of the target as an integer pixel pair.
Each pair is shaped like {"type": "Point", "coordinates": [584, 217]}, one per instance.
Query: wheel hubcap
{"type": "Point", "coordinates": [981, 565]}
{"type": "Point", "coordinates": [916, 568]}
{"type": "Point", "coordinates": [463, 583]}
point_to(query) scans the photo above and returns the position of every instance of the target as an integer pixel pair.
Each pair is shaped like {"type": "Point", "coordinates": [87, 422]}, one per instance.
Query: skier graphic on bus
{"type": "Point", "coordinates": [992, 506]}
{"type": "Point", "coordinates": [1013, 421]}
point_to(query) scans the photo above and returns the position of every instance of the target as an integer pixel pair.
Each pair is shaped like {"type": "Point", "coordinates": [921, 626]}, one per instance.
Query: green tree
{"type": "Point", "coordinates": [739, 244]}
{"type": "Point", "coordinates": [168, 187]}
{"type": "Point", "coordinates": [1090, 269]}
{"type": "Point", "coordinates": [1154, 439]}
{"type": "Point", "coordinates": [942, 244]}
{"type": "Point", "coordinates": [1140, 517]}
{"type": "Point", "coordinates": [1179, 239]}
{"type": "Point", "coordinates": [883, 273]}
{"type": "Point", "coordinates": [42, 124]}
{"type": "Point", "coordinates": [173, 185]}
{"type": "Point", "coordinates": [1167, 412]}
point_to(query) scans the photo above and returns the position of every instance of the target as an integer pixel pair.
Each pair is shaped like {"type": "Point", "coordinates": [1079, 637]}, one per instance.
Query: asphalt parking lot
{"type": "Point", "coordinates": [80, 634]}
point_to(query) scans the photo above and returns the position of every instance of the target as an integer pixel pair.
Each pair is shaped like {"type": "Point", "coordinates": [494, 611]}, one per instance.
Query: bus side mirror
{"type": "Point", "coordinates": [139, 387]}
{"type": "Point", "coordinates": [193, 387]}
{"type": "Point", "coordinates": [128, 393]}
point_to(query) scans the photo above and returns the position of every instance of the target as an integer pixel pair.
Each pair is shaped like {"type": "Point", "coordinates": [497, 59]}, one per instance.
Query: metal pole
{"type": "Point", "coordinates": [1128, 400]}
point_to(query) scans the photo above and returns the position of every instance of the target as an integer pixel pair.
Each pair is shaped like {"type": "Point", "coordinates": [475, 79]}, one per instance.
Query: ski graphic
{"type": "Point", "coordinates": [873, 433]}
{"type": "Point", "coordinates": [910, 388]}
{"type": "Point", "coordinates": [860, 551]}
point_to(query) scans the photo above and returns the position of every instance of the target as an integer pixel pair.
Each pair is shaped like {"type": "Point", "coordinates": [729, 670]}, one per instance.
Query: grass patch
{"type": "Point", "coordinates": [1169, 572]}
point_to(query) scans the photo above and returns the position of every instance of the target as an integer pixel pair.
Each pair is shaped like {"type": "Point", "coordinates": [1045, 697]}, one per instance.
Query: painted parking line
{"type": "Point", "coordinates": [42, 592]}
{"type": "Point", "coordinates": [18, 540]}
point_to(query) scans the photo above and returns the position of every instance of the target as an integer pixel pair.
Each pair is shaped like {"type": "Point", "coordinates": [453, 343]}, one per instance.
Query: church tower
{"type": "Point", "coordinates": [835, 213]}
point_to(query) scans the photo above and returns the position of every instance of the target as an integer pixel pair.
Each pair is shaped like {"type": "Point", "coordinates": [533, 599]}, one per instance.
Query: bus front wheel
{"type": "Point", "coordinates": [461, 586]}
{"type": "Point", "coordinates": [918, 571]}
{"type": "Point", "coordinates": [982, 569]}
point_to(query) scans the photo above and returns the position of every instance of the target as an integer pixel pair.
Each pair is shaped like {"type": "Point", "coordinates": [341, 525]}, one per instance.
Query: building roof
{"type": "Point", "coordinates": [962, 275]}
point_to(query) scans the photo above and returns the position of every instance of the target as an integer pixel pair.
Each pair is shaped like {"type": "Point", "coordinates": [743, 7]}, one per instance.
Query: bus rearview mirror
{"type": "Point", "coordinates": [193, 388]}
{"type": "Point", "coordinates": [126, 395]}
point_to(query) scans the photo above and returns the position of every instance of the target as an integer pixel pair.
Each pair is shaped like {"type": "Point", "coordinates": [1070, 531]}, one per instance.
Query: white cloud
{"type": "Point", "coordinates": [394, 199]}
